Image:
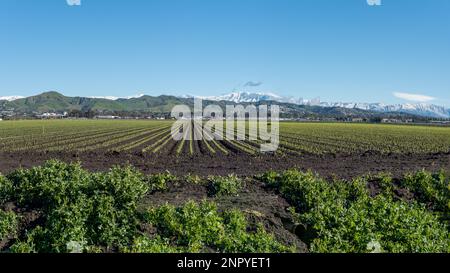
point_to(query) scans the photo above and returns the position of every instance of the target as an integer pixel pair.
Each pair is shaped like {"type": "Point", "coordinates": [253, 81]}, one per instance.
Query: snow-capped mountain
{"type": "Point", "coordinates": [116, 98]}
{"type": "Point", "coordinates": [421, 109]}
{"type": "Point", "coordinates": [239, 97]}
{"type": "Point", "coordinates": [11, 98]}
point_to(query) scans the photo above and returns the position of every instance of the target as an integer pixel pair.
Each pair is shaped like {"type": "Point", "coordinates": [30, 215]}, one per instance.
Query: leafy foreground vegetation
{"type": "Point", "coordinates": [196, 227]}
{"type": "Point", "coordinates": [61, 207]}
{"type": "Point", "coordinates": [97, 212]}
{"type": "Point", "coordinates": [342, 216]}
{"type": "Point", "coordinates": [229, 185]}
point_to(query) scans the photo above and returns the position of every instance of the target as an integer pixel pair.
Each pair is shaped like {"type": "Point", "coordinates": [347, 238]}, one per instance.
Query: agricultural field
{"type": "Point", "coordinates": [127, 186]}
{"type": "Point", "coordinates": [155, 137]}
{"type": "Point", "coordinates": [339, 149]}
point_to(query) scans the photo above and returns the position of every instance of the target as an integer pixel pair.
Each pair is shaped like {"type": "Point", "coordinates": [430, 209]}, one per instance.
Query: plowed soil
{"type": "Point", "coordinates": [342, 166]}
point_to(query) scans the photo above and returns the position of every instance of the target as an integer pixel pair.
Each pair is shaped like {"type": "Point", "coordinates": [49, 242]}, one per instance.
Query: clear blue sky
{"type": "Point", "coordinates": [338, 50]}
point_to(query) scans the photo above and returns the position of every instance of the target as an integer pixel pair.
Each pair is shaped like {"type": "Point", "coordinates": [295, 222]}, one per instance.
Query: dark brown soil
{"type": "Point", "coordinates": [28, 220]}
{"type": "Point", "coordinates": [260, 204]}
{"type": "Point", "coordinates": [398, 191]}
{"type": "Point", "coordinates": [342, 166]}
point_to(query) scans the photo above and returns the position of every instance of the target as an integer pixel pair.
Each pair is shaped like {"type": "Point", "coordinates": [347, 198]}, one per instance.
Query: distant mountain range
{"type": "Point", "coordinates": [419, 109]}
{"type": "Point", "coordinates": [142, 105]}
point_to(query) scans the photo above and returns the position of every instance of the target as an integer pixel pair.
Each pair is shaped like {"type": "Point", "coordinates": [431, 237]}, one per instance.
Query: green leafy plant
{"type": "Point", "coordinates": [224, 185]}
{"type": "Point", "coordinates": [79, 208]}
{"type": "Point", "coordinates": [193, 179]}
{"type": "Point", "coordinates": [195, 227]}
{"type": "Point", "coordinates": [143, 244]}
{"type": "Point", "coordinates": [431, 189]}
{"type": "Point", "coordinates": [8, 224]}
{"type": "Point", "coordinates": [158, 182]}
{"type": "Point", "coordinates": [22, 247]}
{"type": "Point", "coordinates": [386, 183]}
{"type": "Point", "coordinates": [53, 184]}
{"type": "Point", "coordinates": [6, 188]}
{"type": "Point", "coordinates": [342, 217]}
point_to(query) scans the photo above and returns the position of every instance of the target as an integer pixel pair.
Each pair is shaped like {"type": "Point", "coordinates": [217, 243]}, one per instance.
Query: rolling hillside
{"type": "Point", "coordinates": [56, 102]}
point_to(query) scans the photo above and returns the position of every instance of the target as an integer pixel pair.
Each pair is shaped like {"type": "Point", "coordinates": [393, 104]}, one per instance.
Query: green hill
{"type": "Point", "coordinates": [162, 105]}
{"type": "Point", "coordinates": [56, 102]}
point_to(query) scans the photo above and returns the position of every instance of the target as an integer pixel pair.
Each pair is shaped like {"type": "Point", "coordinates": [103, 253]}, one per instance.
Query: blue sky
{"type": "Point", "coordinates": [337, 50]}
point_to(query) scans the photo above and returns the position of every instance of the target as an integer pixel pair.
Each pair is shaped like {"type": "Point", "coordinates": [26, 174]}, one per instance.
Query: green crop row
{"type": "Point", "coordinates": [295, 138]}
{"type": "Point", "coordinates": [342, 216]}
{"type": "Point", "coordinates": [198, 227]}
{"type": "Point", "coordinates": [80, 211]}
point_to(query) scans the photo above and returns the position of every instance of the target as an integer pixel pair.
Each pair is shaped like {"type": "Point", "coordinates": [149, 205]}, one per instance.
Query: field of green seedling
{"type": "Point", "coordinates": [155, 137]}
{"type": "Point", "coordinates": [357, 138]}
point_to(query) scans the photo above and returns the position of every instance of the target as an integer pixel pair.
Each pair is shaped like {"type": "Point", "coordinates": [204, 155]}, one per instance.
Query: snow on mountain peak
{"type": "Point", "coordinates": [11, 98]}
{"type": "Point", "coordinates": [421, 109]}
{"type": "Point", "coordinates": [239, 97]}
{"type": "Point", "coordinates": [116, 98]}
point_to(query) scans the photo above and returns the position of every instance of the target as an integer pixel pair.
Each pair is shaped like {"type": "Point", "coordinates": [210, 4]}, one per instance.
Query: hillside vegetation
{"type": "Point", "coordinates": [162, 105]}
